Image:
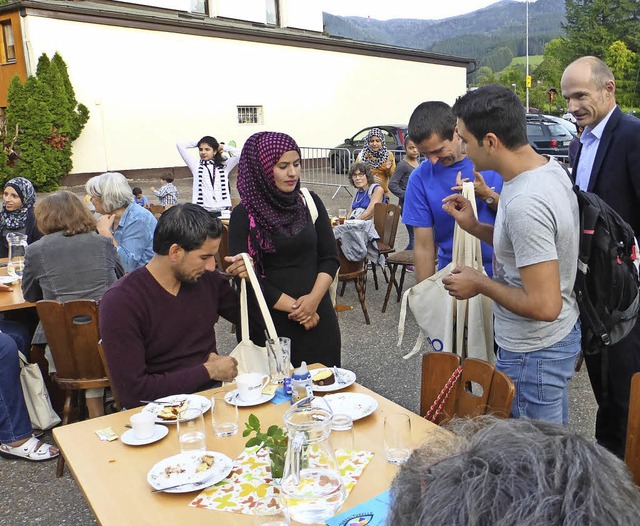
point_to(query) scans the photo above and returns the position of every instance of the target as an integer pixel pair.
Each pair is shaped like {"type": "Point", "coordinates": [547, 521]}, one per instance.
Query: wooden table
{"type": "Point", "coordinates": [12, 300]}
{"type": "Point", "coordinates": [113, 476]}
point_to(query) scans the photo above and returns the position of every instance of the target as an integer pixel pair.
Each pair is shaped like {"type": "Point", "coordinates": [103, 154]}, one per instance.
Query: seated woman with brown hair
{"type": "Point", "coordinates": [71, 262]}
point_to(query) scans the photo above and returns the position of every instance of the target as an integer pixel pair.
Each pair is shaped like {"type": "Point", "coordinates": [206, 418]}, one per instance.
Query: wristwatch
{"type": "Point", "coordinates": [490, 200]}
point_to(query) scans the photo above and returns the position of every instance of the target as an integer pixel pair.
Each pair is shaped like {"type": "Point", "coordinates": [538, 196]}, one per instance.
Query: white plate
{"type": "Point", "coordinates": [8, 280]}
{"type": "Point", "coordinates": [356, 405]}
{"type": "Point", "coordinates": [185, 465]}
{"type": "Point", "coordinates": [349, 377]}
{"type": "Point", "coordinates": [194, 401]}
{"type": "Point", "coordinates": [129, 438]}
{"type": "Point", "coordinates": [232, 399]}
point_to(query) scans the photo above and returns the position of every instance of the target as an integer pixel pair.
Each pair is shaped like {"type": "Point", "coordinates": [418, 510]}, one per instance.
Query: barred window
{"type": "Point", "coordinates": [250, 115]}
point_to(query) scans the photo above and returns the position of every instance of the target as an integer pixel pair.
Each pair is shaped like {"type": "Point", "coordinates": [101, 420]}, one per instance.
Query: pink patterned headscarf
{"type": "Point", "coordinates": [271, 211]}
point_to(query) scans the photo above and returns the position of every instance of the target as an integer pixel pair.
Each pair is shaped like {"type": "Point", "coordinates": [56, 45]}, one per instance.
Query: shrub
{"type": "Point", "coordinates": [43, 118]}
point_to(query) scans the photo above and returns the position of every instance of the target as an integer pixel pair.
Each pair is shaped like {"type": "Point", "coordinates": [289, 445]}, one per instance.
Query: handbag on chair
{"type": "Point", "coordinates": [36, 396]}
{"type": "Point", "coordinates": [251, 357]}
{"type": "Point", "coordinates": [463, 327]}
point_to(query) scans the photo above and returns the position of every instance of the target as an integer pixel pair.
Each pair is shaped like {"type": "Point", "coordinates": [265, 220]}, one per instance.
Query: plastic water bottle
{"type": "Point", "coordinates": [301, 384]}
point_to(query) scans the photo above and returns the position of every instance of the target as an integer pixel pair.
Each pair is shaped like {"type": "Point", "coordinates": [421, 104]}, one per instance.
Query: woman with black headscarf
{"type": "Point", "coordinates": [295, 257]}
{"type": "Point", "coordinates": [17, 215]}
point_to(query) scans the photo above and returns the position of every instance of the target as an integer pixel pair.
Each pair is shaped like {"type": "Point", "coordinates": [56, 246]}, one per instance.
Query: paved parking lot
{"type": "Point", "coordinates": [32, 495]}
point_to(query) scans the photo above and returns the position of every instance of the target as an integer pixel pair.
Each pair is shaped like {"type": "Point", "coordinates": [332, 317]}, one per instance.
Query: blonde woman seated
{"type": "Point", "coordinates": [368, 194]}
{"type": "Point", "coordinates": [71, 262]}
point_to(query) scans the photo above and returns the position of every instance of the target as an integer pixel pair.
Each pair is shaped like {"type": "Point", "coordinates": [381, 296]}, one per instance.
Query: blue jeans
{"type": "Point", "coordinates": [410, 232]}
{"type": "Point", "coordinates": [14, 418]}
{"type": "Point", "coordinates": [541, 378]}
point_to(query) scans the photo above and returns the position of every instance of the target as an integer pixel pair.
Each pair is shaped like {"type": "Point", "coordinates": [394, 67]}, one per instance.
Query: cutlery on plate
{"type": "Point", "coordinates": [338, 377]}
{"type": "Point", "coordinates": [195, 485]}
{"type": "Point", "coordinates": [163, 402]}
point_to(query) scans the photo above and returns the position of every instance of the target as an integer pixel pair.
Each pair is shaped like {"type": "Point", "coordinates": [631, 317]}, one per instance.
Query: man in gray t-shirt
{"type": "Point", "coordinates": [535, 242]}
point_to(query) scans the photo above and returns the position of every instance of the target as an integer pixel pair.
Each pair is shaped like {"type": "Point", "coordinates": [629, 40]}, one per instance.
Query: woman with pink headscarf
{"type": "Point", "coordinates": [295, 257]}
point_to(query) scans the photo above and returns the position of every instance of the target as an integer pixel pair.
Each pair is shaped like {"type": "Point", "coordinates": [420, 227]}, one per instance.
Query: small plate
{"type": "Point", "coordinates": [356, 405]}
{"type": "Point", "coordinates": [349, 377]}
{"type": "Point", "coordinates": [184, 467]}
{"type": "Point", "coordinates": [8, 280]}
{"type": "Point", "coordinates": [194, 401]}
{"type": "Point", "coordinates": [129, 438]}
{"type": "Point", "coordinates": [232, 399]}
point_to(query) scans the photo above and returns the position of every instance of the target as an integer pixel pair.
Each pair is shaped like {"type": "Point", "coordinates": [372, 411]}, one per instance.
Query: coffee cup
{"type": "Point", "coordinates": [250, 386]}
{"type": "Point", "coordinates": [143, 425]}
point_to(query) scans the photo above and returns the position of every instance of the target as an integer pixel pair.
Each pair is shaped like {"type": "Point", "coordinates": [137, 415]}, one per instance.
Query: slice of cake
{"type": "Point", "coordinates": [324, 377]}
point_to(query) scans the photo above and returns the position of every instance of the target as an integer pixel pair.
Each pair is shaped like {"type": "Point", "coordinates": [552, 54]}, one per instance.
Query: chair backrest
{"type": "Point", "coordinates": [632, 451]}
{"type": "Point", "coordinates": [72, 333]}
{"type": "Point", "coordinates": [480, 390]}
{"type": "Point", "coordinates": [386, 218]}
{"type": "Point", "coordinates": [157, 210]}
{"type": "Point", "coordinates": [350, 269]}
{"type": "Point", "coordinates": [223, 250]}
{"type": "Point", "coordinates": [114, 392]}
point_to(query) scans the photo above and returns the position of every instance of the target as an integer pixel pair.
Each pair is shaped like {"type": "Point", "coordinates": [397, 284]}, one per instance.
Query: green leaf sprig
{"type": "Point", "coordinates": [275, 437]}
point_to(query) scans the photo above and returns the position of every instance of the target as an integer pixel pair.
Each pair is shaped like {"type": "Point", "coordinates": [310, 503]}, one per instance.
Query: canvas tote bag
{"type": "Point", "coordinates": [464, 327]}
{"type": "Point", "coordinates": [251, 357]}
{"type": "Point", "coordinates": [36, 396]}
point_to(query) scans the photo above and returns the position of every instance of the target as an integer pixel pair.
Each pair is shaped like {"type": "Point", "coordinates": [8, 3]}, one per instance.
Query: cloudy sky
{"type": "Point", "coordinates": [386, 9]}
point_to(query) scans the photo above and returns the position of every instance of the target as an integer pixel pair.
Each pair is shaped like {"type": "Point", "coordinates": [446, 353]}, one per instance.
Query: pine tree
{"type": "Point", "coordinates": [48, 118]}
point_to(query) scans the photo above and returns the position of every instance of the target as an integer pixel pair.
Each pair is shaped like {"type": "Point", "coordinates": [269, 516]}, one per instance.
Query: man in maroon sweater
{"type": "Point", "coordinates": [157, 322]}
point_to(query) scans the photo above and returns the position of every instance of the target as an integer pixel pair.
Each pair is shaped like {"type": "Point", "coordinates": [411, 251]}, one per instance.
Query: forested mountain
{"type": "Point", "coordinates": [475, 35]}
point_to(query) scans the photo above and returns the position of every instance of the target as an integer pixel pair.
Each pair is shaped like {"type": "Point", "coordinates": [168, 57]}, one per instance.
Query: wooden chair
{"type": "Point", "coordinates": [355, 271]}
{"type": "Point", "coordinates": [157, 210]}
{"type": "Point", "coordinates": [223, 250]}
{"type": "Point", "coordinates": [403, 259]}
{"type": "Point", "coordinates": [114, 392]}
{"type": "Point", "coordinates": [72, 333]}
{"type": "Point", "coordinates": [386, 218]}
{"type": "Point", "coordinates": [492, 391]}
{"type": "Point", "coordinates": [632, 451]}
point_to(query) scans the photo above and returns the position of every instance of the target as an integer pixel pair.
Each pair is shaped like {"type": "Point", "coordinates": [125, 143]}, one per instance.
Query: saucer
{"type": "Point", "coordinates": [232, 399]}
{"type": "Point", "coordinates": [129, 438]}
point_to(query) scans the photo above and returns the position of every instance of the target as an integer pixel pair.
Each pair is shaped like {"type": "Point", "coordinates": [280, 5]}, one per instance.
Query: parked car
{"type": "Point", "coordinates": [344, 154]}
{"type": "Point", "coordinates": [546, 136]}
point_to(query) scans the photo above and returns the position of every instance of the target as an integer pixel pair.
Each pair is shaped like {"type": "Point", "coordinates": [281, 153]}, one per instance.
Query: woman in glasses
{"type": "Point", "coordinates": [368, 194]}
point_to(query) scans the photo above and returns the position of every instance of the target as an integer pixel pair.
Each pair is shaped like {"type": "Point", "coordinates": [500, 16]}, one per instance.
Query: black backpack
{"type": "Point", "coordinates": [607, 279]}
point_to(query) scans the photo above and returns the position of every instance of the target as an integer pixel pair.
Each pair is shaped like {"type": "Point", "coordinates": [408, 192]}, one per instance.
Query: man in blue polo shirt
{"type": "Point", "coordinates": [431, 128]}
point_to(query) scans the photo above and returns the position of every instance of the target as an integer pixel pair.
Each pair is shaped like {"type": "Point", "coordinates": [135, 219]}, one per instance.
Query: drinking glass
{"type": "Point", "coordinates": [397, 437]}
{"type": "Point", "coordinates": [224, 416]}
{"type": "Point", "coordinates": [191, 430]}
{"type": "Point", "coordinates": [342, 432]}
{"type": "Point", "coordinates": [342, 215]}
{"type": "Point", "coordinates": [265, 515]}
{"type": "Point", "coordinates": [279, 353]}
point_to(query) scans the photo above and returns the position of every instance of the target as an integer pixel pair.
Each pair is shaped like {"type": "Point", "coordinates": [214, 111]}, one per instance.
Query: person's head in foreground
{"type": "Point", "coordinates": [189, 237]}
{"type": "Point", "coordinates": [512, 472]}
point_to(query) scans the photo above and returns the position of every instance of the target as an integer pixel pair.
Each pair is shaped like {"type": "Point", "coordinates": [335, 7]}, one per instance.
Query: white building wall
{"type": "Point", "coordinates": [147, 89]}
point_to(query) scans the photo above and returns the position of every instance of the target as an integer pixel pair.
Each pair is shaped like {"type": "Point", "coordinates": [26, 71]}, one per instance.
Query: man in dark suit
{"type": "Point", "coordinates": [607, 164]}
